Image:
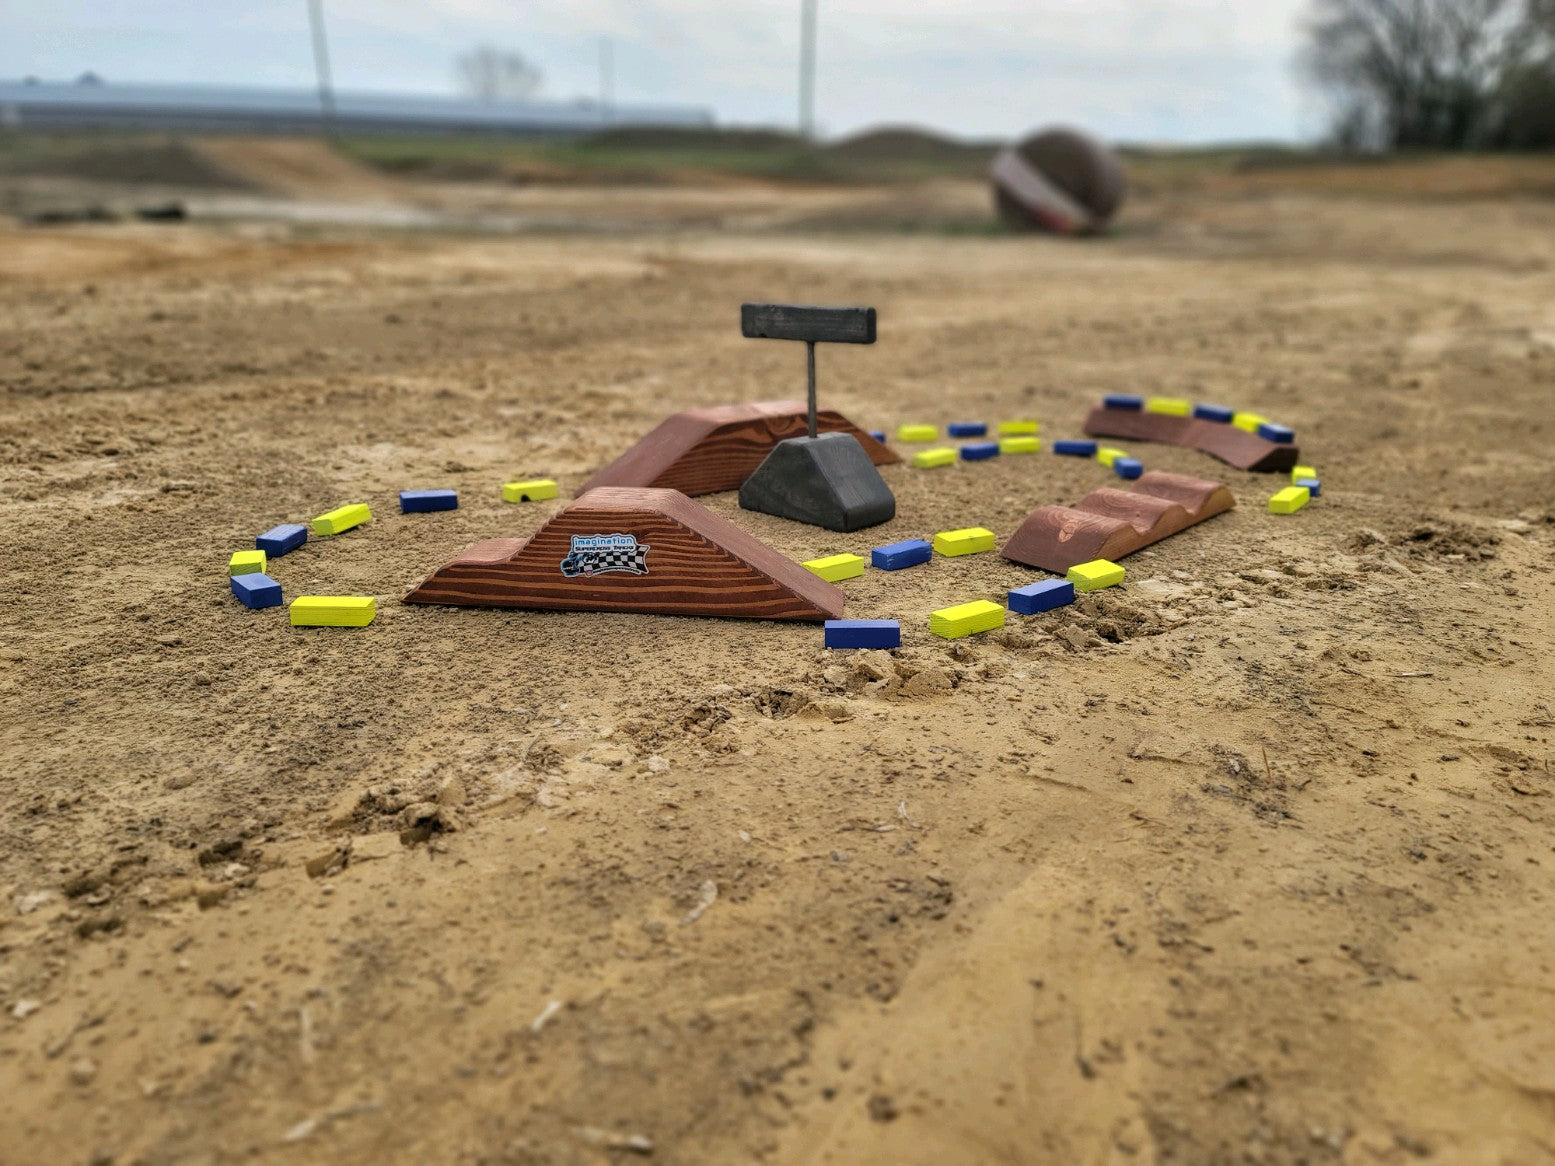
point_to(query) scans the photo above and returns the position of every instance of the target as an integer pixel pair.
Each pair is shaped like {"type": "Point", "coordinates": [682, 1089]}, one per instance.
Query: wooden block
{"type": "Point", "coordinates": [427, 501]}
{"type": "Point", "coordinates": [1125, 401]}
{"type": "Point", "coordinates": [1289, 500]}
{"type": "Point", "coordinates": [1106, 455]}
{"type": "Point", "coordinates": [278, 540]}
{"type": "Point", "coordinates": [1009, 445]}
{"type": "Point", "coordinates": [1299, 472]}
{"type": "Point", "coordinates": [863, 633]}
{"type": "Point", "coordinates": [967, 429]}
{"type": "Point", "coordinates": [929, 459]}
{"type": "Point", "coordinates": [633, 550]}
{"type": "Point", "coordinates": [1019, 428]}
{"type": "Point", "coordinates": [1035, 598]}
{"type": "Point", "coordinates": [964, 542]}
{"type": "Point", "coordinates": [1074, 448]}
{"type": "Point", "coordinates": [834, 568]}
{"type": "Point", "coordinates": [705, 451]}
{"type": "Point", "coordinates": [256, 590]}
{"type": "Point", "coordinates": [246, 563]}
{"type": "Point", "coordinates": [979, 451]}
{"type": "Point", "coordinates": [966, 619]}
{"type": "Point", "coordinates": [898, 556]}
{"type": "Point", "coordinates": [1170, 406]}
{"type": "Point", "coordinates": [1128, 467]}
{"type": "Point", "coordinates": [1219, 414]}
{"type": "Point", "coordinates": [342, 519]}
{"type": "Point", "coordinates": [916, 433]}
{"type": "Point", "coordinates": [878, 435]}
{"type": "Point", "coordinates": [1111, 523]}
{"type": "Point", "coordinates": [333, 611]}
{"type": "Point", "coordinates": [1232, 445]}
{"type": "Point", "coordinates": [1313, 486]}
{"type": "Point", "coordinates": [1248, 422]}
{"type": "Point", "coordinates": [796, 322]}
{"type": "Point", "coordinates": [534, 490]}
{"type": "Point", "coordinates": [1095, 575]}
{"type": "Point", "coordinates": [1281, 434]}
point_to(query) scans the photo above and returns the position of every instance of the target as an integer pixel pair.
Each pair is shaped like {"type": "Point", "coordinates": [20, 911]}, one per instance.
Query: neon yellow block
{"type": "Point", "coordinates": [1018, 428]}
{"type": "Point", "coordinates": [1020, 445]}
{"type": "Point", "coordinates": [932, 458]}
{"type": "Point", "coordinates": [916, 433]}
{"type": "Point", "coordinates": [1248, 421]}
{"type": "Point", "coordinates": [1173, 406]}
{"type": "Point", "coordinates": [1299, 472]}
{"type": "Point", "coordinates": [834, 568]}
{"type": "Point", "coordinates": [1106, 455]}
{"type": "Point", "coordinates": [1095, 575]}
{"type": "Point", "coordinates": [966, 619]}
{"type": "Point", "coordinates": [1290, 500]}
{"type": "Point", "coordinates": [534, 491]}
{"type": "Point", "coordinates": [333, 611]}
{"type": "Point", "coordinates": [343, 519]}
{"type": "Point", "coordinates": [246, 563]}
{"type": "Point", "coordinates": [964, 542]}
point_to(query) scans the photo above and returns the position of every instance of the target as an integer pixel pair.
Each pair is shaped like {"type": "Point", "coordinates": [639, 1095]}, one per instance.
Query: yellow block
{"type": "Point", "coordinates": [1290, 500]}
{"type": "Point", "coordinates": [1020, 444]}
{"type": "Point", "coordinates": [1095, 575]}
{"type": "Point", "coordinates": [964, 542]}
{"type": "Point", "coordinates": [966, 619]}
{"type": "Point", "coordinates": [1173, 406]}
{"type": "Point", "coordinates": [1248, 421]}
{"type": "Point", "coordinates": [916, 433]}
{"type": "Point", "coordinates": [246, 563]}
{"type": "Point", "coordinates": [1018, 428]}
{"type": "Point", "coordinates": [343, 519]}
{"type": "Point", "coordinates": [834, 568]}
{"type": "Point", "coordinates": [931, 458]}
{"type": "Point", "coordinates": [1299, 472]}
{"type": "Point", "coordinates": [333, 611]}
{"type": "Point", "coordinates": [533, 491]}
{"type": "Point", "coordinates": [1106, 455]}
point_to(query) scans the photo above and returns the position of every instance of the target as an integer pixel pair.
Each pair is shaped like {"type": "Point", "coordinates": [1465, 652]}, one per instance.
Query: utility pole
{"type": "Point", "coordinates": [607, 78]}
{"type": "Point", "coordinates": [321, 65]}
{"type": "Point", "coordinates": [807, 69]}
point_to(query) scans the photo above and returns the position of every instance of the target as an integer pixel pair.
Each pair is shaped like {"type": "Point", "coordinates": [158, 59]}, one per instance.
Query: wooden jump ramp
{"type": "Point", "coordinates": [634, 550]}
{"type": "Point", "coordinates": [1235, 447]}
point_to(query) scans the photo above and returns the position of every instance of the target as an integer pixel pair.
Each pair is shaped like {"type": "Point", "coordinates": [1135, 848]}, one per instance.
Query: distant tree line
{"type": "Point", "coordinates": [1436, 74]}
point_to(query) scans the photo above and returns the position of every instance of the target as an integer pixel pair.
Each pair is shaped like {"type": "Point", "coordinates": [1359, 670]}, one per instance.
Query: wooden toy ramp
{"type": "Point", "coordinates": [1109, 523]}
{"type": "Point", "coordinates": [635, 550]}
{"type": "Point", "coordinates": [1236, 447]}
{"type": "Point", "coordinates": [704, 451]}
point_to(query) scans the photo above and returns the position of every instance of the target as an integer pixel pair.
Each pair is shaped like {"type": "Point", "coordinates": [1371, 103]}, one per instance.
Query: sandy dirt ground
{"type": "Point", "coordinates": [1246, 861]}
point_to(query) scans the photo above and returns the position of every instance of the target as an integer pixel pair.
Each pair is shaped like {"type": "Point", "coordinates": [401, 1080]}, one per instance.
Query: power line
{"type": "Point", "coordinates": [321, 64]}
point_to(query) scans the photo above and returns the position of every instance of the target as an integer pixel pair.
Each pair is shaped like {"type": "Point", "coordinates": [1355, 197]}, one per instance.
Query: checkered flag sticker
{"type": "Point", "coordinates": [599, 554]}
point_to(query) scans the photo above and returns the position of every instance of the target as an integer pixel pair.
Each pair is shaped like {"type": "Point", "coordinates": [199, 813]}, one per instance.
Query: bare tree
{"type": "Point", "coordinates": [489, 74]}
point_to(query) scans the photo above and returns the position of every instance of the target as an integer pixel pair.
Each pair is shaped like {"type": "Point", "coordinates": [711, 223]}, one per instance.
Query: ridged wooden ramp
{"type": "Point", "coordinates": [1109, 523]}
{"type": "Point", "coordinates": [1236, 447]}
{"type": "Point", "coordinates": [705, 451]}
{"type": "Point", "coordinates": [634, 550]}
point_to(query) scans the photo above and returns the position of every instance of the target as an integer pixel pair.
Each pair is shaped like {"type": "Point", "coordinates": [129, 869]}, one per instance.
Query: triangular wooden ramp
{"type": "Point", "coordinates": [634, 550]}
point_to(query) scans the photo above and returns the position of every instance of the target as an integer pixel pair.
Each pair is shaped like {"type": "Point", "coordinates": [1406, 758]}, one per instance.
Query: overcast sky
{"type": "Point", "coordinates": [1137, 70]}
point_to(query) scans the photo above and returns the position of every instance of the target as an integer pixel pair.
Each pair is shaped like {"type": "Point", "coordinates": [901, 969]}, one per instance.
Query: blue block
{"type": "Point", "coordinates": [425, 501]}
{"type": "Point", "coordinates": [979, 451]}
{"type": "Point", "coordinates": [1314, 486]}
{"type": "Point", "coordinates": [1075, 448]}
{"type": "Point", "coordinates": [1043, 596]}
{"type": "Point", "coordinates": [863, 633]}
{"type": "Point", "coordinates": [1214, 413]}
{"type": "Point", "coordinates": [280, 539]}
{"type": "Point", "coordinates": [1122, 401]}
{"type": "Point", "coordinates": [1280, 433]}
{"type": "Point", "coordinates": [895, 556]}
{"type": "Point", "coordinates": [878, 435]}
{"type": "Point", "coordinates": [967, 429]}
{"type": "Point", "coordinates": [1128, 467]}
{"type": "Point", "coordinates": [256, 590]}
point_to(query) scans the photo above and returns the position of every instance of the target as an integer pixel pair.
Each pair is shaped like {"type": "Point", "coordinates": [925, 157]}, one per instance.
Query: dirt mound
{"type": "Point", "coordinates": [911, 144]}
{"type": "Point", "coordinates": [128, 162]}
{"type": "Point", "coordinates": [297, 167]}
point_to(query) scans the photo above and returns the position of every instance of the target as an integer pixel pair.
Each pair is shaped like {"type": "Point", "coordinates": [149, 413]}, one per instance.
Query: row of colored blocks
{"type": "Point", "coordinates": [1304, 486]}
{"type": "Point", "coordinates": [911, 552]}
{"type": "Point", "coordinates": [980, 615]}
{"type": "Point", "coordinates": [1181, 407]}
{"type": "Point", "coordinates": [1115, 459]}
{"type": "Point", "coordinates": [313, 611]}
{"type": "Point", "coordinates": [1023, 428]}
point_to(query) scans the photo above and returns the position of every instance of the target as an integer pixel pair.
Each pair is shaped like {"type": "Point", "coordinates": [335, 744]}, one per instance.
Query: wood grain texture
{"type": "Point", "coordinates": [705, 451]}
{"type": "Point", "coordinates": [1110, 523]}
{"type": "Point", "coordinates": [1236, 447]}
{"type": "Point", "coordinates": [797, 322]}
{"type": "Point", "coordinates": [697, 564]}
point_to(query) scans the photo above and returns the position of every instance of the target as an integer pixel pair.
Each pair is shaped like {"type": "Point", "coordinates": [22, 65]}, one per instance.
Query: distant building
{"type": "Point", "coordinates": [95, 104]}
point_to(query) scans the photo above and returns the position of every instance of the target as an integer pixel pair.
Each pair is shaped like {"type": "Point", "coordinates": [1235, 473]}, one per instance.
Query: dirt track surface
{"type": "Point", "coordinates": [1246, 861]}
